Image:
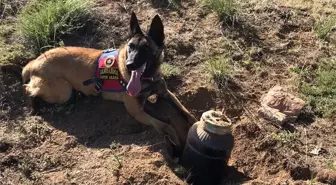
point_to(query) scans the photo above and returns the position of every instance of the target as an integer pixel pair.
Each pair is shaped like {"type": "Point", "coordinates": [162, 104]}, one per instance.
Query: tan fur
{"type": "Point", "coordinates": [64, 67]}
{"type": "Point", "coordinates": [55, 73]}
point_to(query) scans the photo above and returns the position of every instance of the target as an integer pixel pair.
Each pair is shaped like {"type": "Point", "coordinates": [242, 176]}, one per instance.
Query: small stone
{"type": "Point", "coordinates": [318, 151]}
{"type": "Point", "coordinates": [272, 114]}
{"type": "Point", "coordinates": [116, 172]}
{"type": "Point", "coordinates": [70, 142]}
{"type": "Point", "coordinates": [114, 146]}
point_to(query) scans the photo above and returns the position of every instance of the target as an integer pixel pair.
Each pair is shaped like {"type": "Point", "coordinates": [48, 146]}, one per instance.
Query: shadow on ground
{"type": "Point", "coordinates": [98, 123]}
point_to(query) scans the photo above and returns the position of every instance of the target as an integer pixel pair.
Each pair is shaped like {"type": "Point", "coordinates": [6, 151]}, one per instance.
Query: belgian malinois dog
{"type": "Point", "coordinates": [130, 72]}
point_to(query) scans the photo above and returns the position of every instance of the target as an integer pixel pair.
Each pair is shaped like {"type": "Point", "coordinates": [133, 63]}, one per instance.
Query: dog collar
{"type": "Point", "coordinates": [148, 78]}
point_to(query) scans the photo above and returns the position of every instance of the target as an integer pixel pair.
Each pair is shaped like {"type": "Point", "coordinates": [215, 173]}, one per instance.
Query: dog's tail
{"type": "Point", "coordinates": [13, 69]}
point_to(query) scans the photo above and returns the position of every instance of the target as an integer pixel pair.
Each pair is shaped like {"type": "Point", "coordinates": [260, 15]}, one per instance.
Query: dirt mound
{"type": "Point", "coordinates": [12, 102]}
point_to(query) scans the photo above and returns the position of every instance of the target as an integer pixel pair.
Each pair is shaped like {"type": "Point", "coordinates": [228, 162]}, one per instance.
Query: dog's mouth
{"type": "Point", "coordinates": [134, 85]}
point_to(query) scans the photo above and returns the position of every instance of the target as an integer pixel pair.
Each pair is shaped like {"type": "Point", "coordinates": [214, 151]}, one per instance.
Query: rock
{"type": "Point", "coordinates": [70, 142]}
{"type": "Point", "coordinates": [280, 106]}
{"type": "Point", "coordinates": [318, 151]}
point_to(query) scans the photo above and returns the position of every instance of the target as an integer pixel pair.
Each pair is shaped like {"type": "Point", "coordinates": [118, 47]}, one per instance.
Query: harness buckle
{"type": "Point", "coordinates": [148, 78]}
{"type": "Point", "coordinates": [98, 87]}
{"type": "Point", "coordinates": [96, 81]}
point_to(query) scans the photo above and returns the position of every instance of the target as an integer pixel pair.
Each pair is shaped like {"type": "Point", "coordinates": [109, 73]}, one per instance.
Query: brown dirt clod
{"type": "Point", "coordinates": [327, 176]}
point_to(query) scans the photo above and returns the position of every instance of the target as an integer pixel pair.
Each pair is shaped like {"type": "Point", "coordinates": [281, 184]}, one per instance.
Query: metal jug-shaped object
{"type": "Point", "coordinates": [208, 148]}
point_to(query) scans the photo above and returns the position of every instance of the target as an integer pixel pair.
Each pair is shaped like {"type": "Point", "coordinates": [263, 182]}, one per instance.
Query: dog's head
{"type": "Point", "coordinates": [144, 52]}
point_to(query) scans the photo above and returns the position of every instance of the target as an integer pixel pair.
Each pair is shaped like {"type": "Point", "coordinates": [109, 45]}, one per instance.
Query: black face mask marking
{"type": "Point", "coordinates": [144, 50]}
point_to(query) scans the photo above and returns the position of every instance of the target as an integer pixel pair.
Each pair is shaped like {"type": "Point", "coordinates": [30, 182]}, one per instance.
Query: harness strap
{"type": "Point", "coordinates": [148, 78]}
{"type": "Point", "coordinates": [98, 83]}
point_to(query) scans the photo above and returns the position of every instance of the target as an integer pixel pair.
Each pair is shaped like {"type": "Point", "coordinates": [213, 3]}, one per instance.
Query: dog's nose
{"type": "Point", "coordinates": [130, 66]}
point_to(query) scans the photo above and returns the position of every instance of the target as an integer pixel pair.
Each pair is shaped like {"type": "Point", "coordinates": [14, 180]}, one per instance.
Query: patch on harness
{"type": "Point", "coordinates": [109, 74]}
{"type": "Point", "coordinates": [109, 61]}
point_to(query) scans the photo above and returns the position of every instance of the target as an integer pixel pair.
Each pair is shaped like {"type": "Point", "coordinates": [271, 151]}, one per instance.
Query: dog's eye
{"type": "Point", "coordinates": [145, 47]}
{"type": "Point", "coordinates": [131, 46]}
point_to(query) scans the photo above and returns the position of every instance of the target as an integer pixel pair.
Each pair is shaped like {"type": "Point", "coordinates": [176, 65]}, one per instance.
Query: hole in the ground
{"type": "Point", "coordinates": [4, 146]}
{"type": "Point", "coordinates": [288, 28]}
{"type": "Point", "coordinates": [200, 100]}
{"type": "Point", "coordinates": [300, 173]}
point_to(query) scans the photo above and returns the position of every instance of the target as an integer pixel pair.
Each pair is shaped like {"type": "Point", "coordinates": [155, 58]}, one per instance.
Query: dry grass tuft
{"type": "Point", "coordinates": [223, 8]}
{"type": "Point", "coordinates": [43, 23]}
{"type": "Point", "coordinates": [324, 27]}
{"type": "Point", "coordinates": [220, 70]}
{"type": "Point", "coordinates": [169, 70]}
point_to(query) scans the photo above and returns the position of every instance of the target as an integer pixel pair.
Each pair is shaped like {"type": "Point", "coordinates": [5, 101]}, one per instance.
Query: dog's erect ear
{"type": "Point", "coordinates": [135, 28]}
{"type": "Point", "coordinates": [156, 32]}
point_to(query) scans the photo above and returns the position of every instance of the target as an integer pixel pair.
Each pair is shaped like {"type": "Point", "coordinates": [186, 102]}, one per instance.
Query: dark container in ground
{"type": "Point", "coordinates": [208, 149]}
